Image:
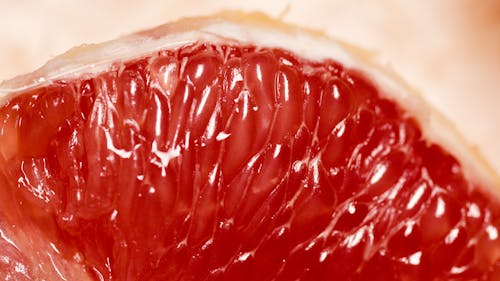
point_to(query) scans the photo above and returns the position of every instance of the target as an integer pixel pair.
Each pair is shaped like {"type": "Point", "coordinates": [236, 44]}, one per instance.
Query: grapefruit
{"type": "Point", "coordinates": [235, 147]}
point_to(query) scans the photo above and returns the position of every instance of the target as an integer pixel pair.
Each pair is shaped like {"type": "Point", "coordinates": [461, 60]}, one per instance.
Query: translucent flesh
{"type": "Point", "coordinates": [216, 162]}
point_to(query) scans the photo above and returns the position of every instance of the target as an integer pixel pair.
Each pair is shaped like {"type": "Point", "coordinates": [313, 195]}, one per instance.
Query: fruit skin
{"type": "Point", "coordinates": [229, 162]}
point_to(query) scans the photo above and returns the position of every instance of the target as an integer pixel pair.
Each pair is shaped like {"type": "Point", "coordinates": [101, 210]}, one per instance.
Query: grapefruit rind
{"type": "Point", "coordinates": [258, 29]}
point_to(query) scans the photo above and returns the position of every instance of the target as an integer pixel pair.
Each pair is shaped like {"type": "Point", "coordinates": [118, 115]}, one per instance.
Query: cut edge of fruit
{"type": "Point", "coordinates": [232, 27]}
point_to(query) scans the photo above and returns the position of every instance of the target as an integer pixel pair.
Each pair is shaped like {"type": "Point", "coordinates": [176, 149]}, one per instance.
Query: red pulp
{"type": "Point", "coordinates": [216, 162]}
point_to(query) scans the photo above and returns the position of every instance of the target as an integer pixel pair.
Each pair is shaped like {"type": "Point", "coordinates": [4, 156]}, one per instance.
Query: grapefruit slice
{"type": "Point", "coordinates": [235, 147]}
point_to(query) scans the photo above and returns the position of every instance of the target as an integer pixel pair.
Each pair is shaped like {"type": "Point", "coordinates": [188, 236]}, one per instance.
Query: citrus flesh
{"type": "Point", "coordinates": [233, 162]}
{"type": "Point", "coordinates": [223, 163]}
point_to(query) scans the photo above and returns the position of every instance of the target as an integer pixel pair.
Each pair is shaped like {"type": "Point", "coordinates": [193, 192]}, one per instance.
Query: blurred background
{"type": "Point", "coordinates": [449, 50]}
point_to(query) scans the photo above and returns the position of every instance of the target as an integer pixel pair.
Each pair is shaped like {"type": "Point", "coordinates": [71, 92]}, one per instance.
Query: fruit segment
{"type": "Point", "coordinates": [228, 162]}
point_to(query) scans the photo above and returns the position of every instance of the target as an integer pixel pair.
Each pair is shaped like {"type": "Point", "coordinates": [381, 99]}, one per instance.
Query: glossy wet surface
{"type": "Point", "coordinates": [231, 163]}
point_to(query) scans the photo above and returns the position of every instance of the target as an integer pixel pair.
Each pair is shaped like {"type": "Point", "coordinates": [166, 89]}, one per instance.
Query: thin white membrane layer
{"type": "Point", "coordinates": [90, 60]}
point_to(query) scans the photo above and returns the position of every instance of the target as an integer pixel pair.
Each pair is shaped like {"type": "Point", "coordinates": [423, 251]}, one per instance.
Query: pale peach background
{"type": "Point", "coordinates": [448, 49]}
